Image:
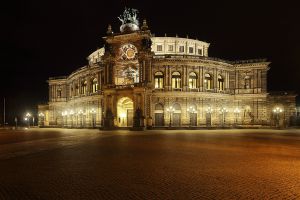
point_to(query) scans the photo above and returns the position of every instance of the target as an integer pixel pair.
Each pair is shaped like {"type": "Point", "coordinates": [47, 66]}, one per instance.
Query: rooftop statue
{"type": "Point", "coordinates": [129, 16]}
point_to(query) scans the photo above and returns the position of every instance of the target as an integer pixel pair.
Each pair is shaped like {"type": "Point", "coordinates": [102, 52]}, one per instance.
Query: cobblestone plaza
{"type": "Point", "coordinates": [174, 164]}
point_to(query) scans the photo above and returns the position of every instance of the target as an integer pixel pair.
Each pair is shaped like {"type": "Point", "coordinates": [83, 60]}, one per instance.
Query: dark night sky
{"type": "Point", "coordinates": [40, 39]}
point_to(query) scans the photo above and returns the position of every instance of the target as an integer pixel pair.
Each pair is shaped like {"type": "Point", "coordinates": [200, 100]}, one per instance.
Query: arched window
{"type": "Point", "coordinates": [247, 84]}
{"type": "Point", "coordinates": [77, 90]}
{"type": "Point", "coordinates": [83, 87]}
{"type": "Point", "coordinates": [159, 106]}
{"type": "Point", "coordinates": [208, 81]}
{"type": "Point", "coordinates": [220, 83]}
{"type": "Point", "coordinates": [177, 107]}
{"type": "Point", "coordinates": [192, 80]}
{"type": "Point", "coordinates": [176, 80]}
{"type": "Point", "coordinates": [58, 93]}
{"type": "Point", "coordinates": [94, 85]}
{"type": "Point", "coordinates": [158, 80]}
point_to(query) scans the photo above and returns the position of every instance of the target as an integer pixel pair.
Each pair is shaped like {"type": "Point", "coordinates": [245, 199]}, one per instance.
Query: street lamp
{"type": "Point", "coordinates": [277, 111]}
{"type": "Point", "coordinates": [236, 112]}
{"type": "Point", "coordinates": [16, 121]}
{"type": "Point", "coordinates": [208, 110]}
{"type": "Point", "coordinates": [93, 112]}
{"type": "Point", "coordinates": [223, 112]}
{"type": "Point", "coordinates": [27, 118]}
{"type": "Point", "coordinates": [170, 110]}
{"type": "Point", "coordinates": [192, 111]}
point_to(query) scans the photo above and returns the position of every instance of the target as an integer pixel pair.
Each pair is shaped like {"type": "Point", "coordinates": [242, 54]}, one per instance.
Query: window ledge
{"type": "Point", "coordinates": [194, 89]}
{"type": "Point", "coordinates": [176, 89]}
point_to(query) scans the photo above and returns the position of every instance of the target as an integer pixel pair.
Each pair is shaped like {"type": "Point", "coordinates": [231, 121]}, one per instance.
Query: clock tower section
{"type": "Point", "coordinates": [126, 66]}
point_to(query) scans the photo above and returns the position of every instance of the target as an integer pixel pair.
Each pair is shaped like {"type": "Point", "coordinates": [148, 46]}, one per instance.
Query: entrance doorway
{"type": "Point", "coordinates": [125, 112]}
{"type": "Point", "coordinates": [176, 121]}
{"type": "Point", "coordinates": [208, 119]}
{"type": "Point", "coordinates": [159, 115]}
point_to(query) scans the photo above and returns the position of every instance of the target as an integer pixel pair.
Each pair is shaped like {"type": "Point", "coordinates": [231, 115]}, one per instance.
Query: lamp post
{"type": "Point", "coordinates": [223, 112]}
{"type": "Point", "coordinates": [16, 121]}
{"type": "Point", "coordinates": [277, 112]}
{"type": "Point", "coordinates": [170, 110]}
{"type": "Point", "coordinates": [192, 111]}
{"type": "Point", "coordinates": [27, 121]}
{"type": "Point", "coordinates": [209, 110]}
{"type": "Point", "coordinates": [27, 118]}
{"type": "Point", "coordinates": [236, 112]}
{"type": "Point", "coordinates": [93, 112]}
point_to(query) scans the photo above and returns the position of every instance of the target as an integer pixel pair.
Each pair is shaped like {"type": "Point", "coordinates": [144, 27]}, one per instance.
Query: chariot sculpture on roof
{"type": "Point", "coordinates": [129, 16]}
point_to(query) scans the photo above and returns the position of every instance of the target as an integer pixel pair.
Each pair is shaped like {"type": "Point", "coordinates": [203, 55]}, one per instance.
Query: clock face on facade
{"type": "Point", "coordinates": [128, 52]}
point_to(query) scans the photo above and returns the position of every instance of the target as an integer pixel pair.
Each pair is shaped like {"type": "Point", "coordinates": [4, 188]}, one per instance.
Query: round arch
{"type": "Point", "coordinates": [125, 112]}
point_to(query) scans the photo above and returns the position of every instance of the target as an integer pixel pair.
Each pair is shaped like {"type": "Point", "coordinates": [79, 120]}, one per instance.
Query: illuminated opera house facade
{"type": "Point", "coordinates": [139, 80]}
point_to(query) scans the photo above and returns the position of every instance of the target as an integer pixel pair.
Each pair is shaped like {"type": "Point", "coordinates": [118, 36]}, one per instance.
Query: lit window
{"type": "Point", "coordinates": [191, 50]}
{"type": "Point", "coordinates": [170, 48]}
{"type": "Point", "coordinates": [176, 80]}
{"type": "Point", "coordinates": [181, 49]}
{"type": "Point", "coordinates": [158, 80]}
{"type": "Point", "coordinates": [83, 87]}
{"type": "Point", "coordinates": [200, 52]}
{"type": "Point", "coordinates": [159, 47]}
{"type": "Point", "coordinates": [192, 80]}
{"type": "Point", "coordinates": [77, 90]}
{"type": "Point", "coordinates": [94, 85]}
{"type": "Point", "coordinates": [207, 81]}
{"type": "Point", "coordinates": [220, 83]}
{"type": "Point", "coordinates": [247, 84]}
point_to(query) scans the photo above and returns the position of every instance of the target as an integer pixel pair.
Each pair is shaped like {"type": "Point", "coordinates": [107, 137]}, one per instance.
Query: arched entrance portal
{"type": "Point", "coordinates": [125, 112]}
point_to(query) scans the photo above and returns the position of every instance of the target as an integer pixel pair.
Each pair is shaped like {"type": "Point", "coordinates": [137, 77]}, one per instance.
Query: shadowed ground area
{"type": "Point", "coordinates": [183, 164]}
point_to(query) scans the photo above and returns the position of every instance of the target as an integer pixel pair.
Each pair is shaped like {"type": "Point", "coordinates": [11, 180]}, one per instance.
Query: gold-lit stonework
{"type": "Point", "coordinates": [139, 80]}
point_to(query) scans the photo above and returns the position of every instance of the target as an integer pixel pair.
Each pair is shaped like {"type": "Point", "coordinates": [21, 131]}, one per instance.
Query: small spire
{"type": "Point", "coordinates": [145, 26]}
{"type": "Point", "coordinates": [109, 30]}
{"type": "Point", "coordinates": [176, 35]}
{"type": "Point", "coordinates": [187, 36]}
{"type": "Point", "coordinates": [165, 35]}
